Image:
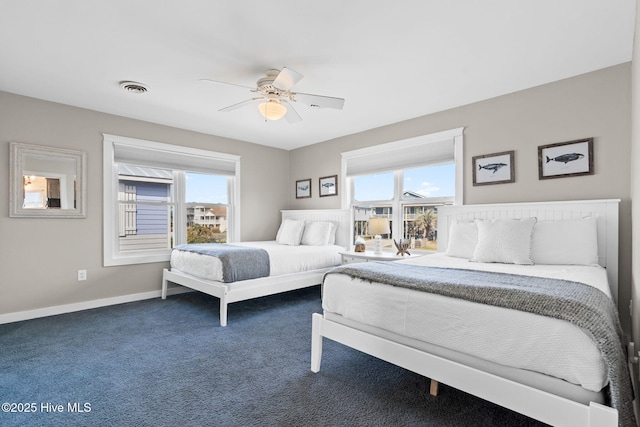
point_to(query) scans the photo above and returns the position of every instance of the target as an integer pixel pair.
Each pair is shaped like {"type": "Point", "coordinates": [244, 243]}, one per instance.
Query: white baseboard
{"type": "Point", "coordinates": [85, 305]}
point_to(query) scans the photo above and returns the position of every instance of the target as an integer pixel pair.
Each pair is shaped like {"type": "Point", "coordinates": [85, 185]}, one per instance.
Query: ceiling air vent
{"type": "Point", "coordinates": [133, 87]}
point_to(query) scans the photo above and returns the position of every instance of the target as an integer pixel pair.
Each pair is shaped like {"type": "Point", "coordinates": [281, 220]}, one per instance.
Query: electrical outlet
{"type": "Point", "coordinates": [82, 275]}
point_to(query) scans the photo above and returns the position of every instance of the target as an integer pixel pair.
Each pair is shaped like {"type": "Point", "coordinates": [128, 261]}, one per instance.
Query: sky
{"type": "Point", "coordinates": [432, 181]}
{"type": "Point", "coordinates": [206, 188]}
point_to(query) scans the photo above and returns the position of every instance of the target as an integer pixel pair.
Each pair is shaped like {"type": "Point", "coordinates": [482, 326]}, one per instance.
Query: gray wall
{"type": "Point", "coordinates": [596, 104]}
{"type": "Point", "coordinates": [635, 180]}
{"type": "Point", "coordinates": [39, 257]}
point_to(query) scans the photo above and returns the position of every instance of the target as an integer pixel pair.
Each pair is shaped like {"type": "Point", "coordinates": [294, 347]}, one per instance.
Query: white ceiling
{"type": "Point", "coordinates": [390, 60]}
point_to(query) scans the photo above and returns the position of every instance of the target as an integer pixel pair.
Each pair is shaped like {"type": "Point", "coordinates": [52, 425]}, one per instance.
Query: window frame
{"type": "Point", "coordinates": [112, 256]}
{"type": "Point", "coordinates": [398, 203]}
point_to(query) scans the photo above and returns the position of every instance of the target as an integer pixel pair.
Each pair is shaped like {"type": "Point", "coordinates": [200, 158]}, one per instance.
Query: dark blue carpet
{"type": "Point", "coordinates": [169, 363]}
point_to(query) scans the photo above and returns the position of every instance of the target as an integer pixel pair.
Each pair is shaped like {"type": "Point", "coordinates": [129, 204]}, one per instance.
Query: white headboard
{"type": "Point", "coordinates": [606, 212]}
{"type": "Point", "coordinates": [340, 217]}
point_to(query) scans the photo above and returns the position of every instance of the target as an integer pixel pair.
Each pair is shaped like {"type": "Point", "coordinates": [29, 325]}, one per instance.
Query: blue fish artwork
{"type": "Point", "coordinates": [565, 158]}
{"type": "Point", "coordinates": [492, 166]}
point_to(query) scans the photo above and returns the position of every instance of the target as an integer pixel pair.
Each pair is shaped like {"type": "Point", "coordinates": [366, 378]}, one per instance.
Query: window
{"type": "Point", "coordinates": [157, 196]}
{"type": "Point", "coordinates": [404, 181]}
{"type": "Point", "coordinates": [207, 208]}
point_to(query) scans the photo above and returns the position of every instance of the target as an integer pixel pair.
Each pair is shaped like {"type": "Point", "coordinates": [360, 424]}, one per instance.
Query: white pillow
{"type": "Point", "coordinates": [316, 233]}
{"type": "Point", "coordinates": [565, 242]}
{"type": "Point", "coordinates": [290, 232]}
{"type": "Point", "coordinates": [463, 238]}
{"type": "Point", "coordinates": [506, 241]}
{"type": "Point", "coordinates": [332, 235]}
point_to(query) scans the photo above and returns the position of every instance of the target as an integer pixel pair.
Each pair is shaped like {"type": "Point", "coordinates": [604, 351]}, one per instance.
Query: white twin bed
{"type": "Point", "coordinates": [298, 261]}
{"type": "Point", "coordinates": [544, 367]}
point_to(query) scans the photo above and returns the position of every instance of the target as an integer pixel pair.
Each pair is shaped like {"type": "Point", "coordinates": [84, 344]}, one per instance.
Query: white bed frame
{"type": "Point", "coordinates": [534, 403]}
{"type": "Point", "coordinates": [254, 288]}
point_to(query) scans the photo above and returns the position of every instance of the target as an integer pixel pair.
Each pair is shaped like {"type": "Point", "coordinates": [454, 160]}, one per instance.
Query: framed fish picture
{"type": "Point", "coordinates": [328, 186]}
{"type": "Point", "coordinates": [303, 188]}
{"type": "Point", "coordinates": [496, 168]}
{"type": "Point", "coordinates": [562, 159]}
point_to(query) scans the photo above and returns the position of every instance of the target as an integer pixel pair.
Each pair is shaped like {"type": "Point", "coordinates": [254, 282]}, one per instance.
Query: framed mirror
{"type": "Point", "coordinates": [47, 182]}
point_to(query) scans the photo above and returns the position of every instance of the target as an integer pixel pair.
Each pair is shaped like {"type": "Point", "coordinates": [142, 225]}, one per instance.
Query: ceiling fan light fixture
{"type": "Point", "coordinates": [272, 110]}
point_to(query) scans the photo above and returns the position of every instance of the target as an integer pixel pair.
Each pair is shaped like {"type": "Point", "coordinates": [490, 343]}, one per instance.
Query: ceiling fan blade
{"type": "Point", "coordinates": [292, 115]}
{"type": "Point", "coordinates": [241, 104]}
{"type": "Point", "coordinates": [287, 78]}
{"type": "Point", "coordinates": [319, 101]}
{"type": "Point", "coordinates": [226, 83]}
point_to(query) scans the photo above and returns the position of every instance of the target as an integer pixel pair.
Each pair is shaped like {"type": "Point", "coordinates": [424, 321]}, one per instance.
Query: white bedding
{"type": "Point", "coordinates": [507, 337]}
{"type": "Point", "coordinates": [283, 259]}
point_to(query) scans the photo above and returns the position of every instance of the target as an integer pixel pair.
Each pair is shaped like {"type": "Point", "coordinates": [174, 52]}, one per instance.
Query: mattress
{"type": "Point", "coordinates": [283, 259]}
{"type": "Point", "coordinates": [498, 335]}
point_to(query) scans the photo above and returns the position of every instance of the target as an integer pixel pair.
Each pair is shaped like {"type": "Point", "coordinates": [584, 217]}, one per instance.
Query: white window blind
{"type": "Point", "coordinates": [155, 154]}
{"type": "Point", "coordinates": [425, 150]}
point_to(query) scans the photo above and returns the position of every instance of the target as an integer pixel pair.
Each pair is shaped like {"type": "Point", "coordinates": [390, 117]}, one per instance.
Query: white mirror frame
{"type": "Point", "coordinates": [16, 194]}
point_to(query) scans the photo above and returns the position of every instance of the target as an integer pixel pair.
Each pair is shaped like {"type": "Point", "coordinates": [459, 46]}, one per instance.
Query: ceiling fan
{"type": "Point", "coordinates": [274, 97]}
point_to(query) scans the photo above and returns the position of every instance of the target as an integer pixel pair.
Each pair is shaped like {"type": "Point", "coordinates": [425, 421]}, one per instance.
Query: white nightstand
{"type": "Point", "coordinates": [349, 257]}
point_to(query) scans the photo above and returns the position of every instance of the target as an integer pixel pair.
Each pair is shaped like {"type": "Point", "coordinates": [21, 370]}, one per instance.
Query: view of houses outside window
{"type": "Point", "coordinates": [144, 208]}
{"type": "Point", "coordinates": [147, 202]}
{"type": "Point", "coordinates": [207, 208]}
{"type": "Point", "coordinates": [414, 207]}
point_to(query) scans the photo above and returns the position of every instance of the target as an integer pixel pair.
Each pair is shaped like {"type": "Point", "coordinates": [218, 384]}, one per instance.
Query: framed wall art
{"type": "Point", "coordinates": [496, 168]}
{"type": "Point", "coordinates": [328, 186]}
{"type": "Point", "coordinates": [563, 159]}
{"type": "Point", "coordinates": [303, 188]}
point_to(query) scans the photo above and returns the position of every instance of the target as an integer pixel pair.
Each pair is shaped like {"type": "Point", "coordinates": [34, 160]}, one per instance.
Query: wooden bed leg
{"type": "Point", "coordinates": [164, 285]}
{"type": "Point", "coordinates": [433, 388]}
{"type": "Point", "coordinates": [316, 342]}
{"type": "Point", "coordinates": [223, 312]}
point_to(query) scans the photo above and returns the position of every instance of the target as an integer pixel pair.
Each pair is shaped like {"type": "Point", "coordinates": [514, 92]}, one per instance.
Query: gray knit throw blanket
{"type": "Point", "coordinates": [580, 304]}
{"type": "Point", "coordinates": [238, 262]}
